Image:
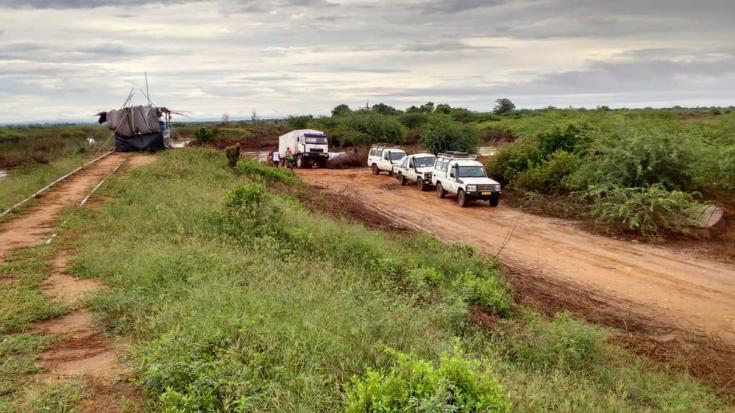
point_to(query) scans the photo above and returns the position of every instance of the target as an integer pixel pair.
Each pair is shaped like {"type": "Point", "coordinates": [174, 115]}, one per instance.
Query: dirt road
{"type": "Point", "coordinates": [634, 281]}
{"type": "Point", "coordinates": [34, 225]}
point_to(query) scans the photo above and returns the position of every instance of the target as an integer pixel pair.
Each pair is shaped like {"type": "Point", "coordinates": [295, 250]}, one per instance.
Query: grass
{"type": "Point", "coordinates": [242, 300]}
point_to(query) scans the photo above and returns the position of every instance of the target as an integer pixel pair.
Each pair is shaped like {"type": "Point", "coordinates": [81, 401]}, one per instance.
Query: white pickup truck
{"type": "Point", "coordinates": [384, 157]}
{"type": "Point", "coordinates": [416, 169]}
{"type": "Point", "coordinates": [459, 174]}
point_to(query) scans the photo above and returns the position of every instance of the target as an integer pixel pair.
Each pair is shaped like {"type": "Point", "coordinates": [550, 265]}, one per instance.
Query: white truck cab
{"type": "Point", "coordinates": [383, 157]}
{"type": "Point", "coordinates": [309, 146]}
{"type": "Point", "coordinates": [459, 174]}
{"type": "Point", "coordinates": [416, 168]}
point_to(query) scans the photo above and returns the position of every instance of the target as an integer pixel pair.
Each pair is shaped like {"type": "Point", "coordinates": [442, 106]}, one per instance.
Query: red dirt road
{"type": "Point", "coordinates": [637, 281]}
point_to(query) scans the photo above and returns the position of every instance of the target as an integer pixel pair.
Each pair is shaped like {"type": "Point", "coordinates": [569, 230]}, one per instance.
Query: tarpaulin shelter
{"type": "Point", "coordinates": [139, 128]}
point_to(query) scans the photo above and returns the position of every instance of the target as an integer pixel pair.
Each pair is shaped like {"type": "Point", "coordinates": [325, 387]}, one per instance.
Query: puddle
{"type": "Point", "coordinates": [3, 174]}
{"type": "Point", "coordinates": [180, 143]}
{"type": "Point", "coordinates": [487, 150]}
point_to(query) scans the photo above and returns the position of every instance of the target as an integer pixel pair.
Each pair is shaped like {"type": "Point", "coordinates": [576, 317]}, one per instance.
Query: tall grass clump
{"type": "Point", "coordinates": [445, 135]}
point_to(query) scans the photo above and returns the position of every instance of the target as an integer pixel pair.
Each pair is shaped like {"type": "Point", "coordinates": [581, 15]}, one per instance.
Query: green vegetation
{"type": "Point", "coordinates": [636, 170]}
{"type": "Point", "coordinates": [238, 299]}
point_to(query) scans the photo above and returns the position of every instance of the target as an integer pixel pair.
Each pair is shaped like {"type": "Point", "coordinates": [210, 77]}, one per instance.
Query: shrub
{"type": "Point", "coordinates": [202, 135]}
{"type": "Point", "coordinates": [648, 210]}
{"type": "Point", "coordinates": [572, 139]}
{"type": "Point", "coordinates": [445, 135]}
{"type": "Point", "coordinates": [484, 291]}
{"type": "Point", "coordinates": [256, 169]}
{"type": "Point", "coordinates": [564, 344]}
{"type": "Point", "coordinates": [233, 155]}
{"type": "Point", "coordinates": [512, 159]}
{"type": "Point", "coordinates": [341, 110]}
{"type": "Point", "coordinates": [641, 158]}
{"type": "Point", "coordinates": [549, 177]}
{"type": "Point", "coordinates": [414, 120]}
{"type": "Point", "coordinates": [414, 385]}
{"type": "Point", "coordinates": [248, 209]}
{"type": "Point", "coordinates": [373, 127]}
{"type": "Point", "coordinates": [298, 122]}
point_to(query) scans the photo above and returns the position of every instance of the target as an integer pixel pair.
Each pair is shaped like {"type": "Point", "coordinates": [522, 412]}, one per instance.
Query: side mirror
{"type": "Point", "coordinates": [451, 174]}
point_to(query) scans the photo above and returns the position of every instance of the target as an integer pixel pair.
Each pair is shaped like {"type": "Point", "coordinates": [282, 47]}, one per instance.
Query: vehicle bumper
{"type": "Point", "coordinates": [315, 155]}
{"type": "Point", "coordinates": [484, 195]}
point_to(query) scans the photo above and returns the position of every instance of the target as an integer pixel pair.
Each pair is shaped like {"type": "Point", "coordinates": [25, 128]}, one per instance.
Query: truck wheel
{"type": "Point", "coordinates": [494, 200]}
{"type": "Point", "coordinates": [461, 198]}
{"type": "Point", "coordinates": [401, 179]}
{"type": "Point", "coordinates": [390, 173]}
{"type": "Point", "coordinates": [375, 169]}
{"type": "Point", "coordinates": [420, 184]}
{"type": "Point", "coordinates": [299, 162]}
{"type": "Point", "coordinates": [440, 192]}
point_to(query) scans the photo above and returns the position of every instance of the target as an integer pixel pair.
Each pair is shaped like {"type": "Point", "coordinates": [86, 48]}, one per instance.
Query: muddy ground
{"type": "Point", "coordinates": [667, 303]}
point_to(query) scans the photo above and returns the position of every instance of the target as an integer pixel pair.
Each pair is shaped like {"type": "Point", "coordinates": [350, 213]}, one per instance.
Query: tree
{"type": "Point", "coordinates": [225, 118]}
{"type": "Point", "coordinates": [341, 110]}
{"type": "Point", "coordinates": [503, 106]}
{"type": "Point", "coordinates": [443, 108]}
{"type": "Point", "coordinates": [445, 135]}
{"type": "Point", "coordinates": [384, 109]}
{"type": "Point", "coordinates": [427, 107]}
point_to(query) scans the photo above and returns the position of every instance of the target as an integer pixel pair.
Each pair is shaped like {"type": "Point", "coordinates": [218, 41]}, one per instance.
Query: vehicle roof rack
{"type": "Point", "coordinates": [456, 155]}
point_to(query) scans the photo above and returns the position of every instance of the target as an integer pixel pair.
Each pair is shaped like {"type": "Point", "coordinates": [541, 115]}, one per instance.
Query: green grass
{"type": "Point", "coordinates": [24, 180]}
{"type": "Point", "coordinates": [242, 300]}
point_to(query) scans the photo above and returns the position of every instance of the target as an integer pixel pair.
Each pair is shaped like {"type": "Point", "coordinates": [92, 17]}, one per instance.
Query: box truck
{"type": "Point", "coordinates": [309, 146]}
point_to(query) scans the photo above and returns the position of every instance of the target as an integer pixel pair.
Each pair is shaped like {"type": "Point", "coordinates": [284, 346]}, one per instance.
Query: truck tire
{"type": "Point", "coordinates": [494, 200]}
{"type": "Point", "coordinates": [375, 169]}
{"type": "Point", "coordinates": [299, 162]}
{"type": "Point", "coordinates": [420, 184]}
{"type": "Point", "coordinates": [440, 192]}
{"type": "Point", "coordinates": [401, 179]}
{"type": "Point", "coordinates": [462, 198]}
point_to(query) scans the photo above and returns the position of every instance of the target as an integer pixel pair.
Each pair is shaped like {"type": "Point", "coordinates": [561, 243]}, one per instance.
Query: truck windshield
{"type": "Point", "coordinates": [425, 161]}
{"type": "Point", "coordinates": [472, 172]}
{"type": "Point", "coordinates": [316, 140]}
{"type": "Point", "coordinates": [396, 156]}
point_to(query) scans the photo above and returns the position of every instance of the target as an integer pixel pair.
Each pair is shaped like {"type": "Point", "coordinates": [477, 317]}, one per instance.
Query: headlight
{"type": "Point", "coordinates": [496, 187]}
{"type": "Point", "coordinates": [427, 175]}
{"type": "Point", "coordinates": [471, 188]}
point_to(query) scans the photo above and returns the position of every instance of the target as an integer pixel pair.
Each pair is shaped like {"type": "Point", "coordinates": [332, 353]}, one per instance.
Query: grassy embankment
{"type": "Point", "coordinates": [36, 155]}
{"type": "Point", "coordinates": [239, 299]}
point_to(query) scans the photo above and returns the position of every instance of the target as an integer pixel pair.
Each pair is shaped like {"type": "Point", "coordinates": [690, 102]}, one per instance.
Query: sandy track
{"type": "Point", "coordinates": [34, 225]}
{"type": "Point", "coordinates": [637, 281]}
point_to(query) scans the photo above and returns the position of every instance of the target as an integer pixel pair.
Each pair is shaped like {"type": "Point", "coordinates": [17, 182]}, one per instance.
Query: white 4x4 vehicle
{"type": "Point", "coordinates": [417, 169]}
{"type": "Point", "coordinates": [459, 174]}
{"type": "Point", "coordinates": [383, 157]}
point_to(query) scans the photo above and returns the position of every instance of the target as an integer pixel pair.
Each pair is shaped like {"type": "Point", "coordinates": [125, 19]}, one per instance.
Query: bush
{"type": "Point", "coordinates": [256, 169]}
{"type": "Point", "coordinates": [488, 292]}
{"type": "Point", "coordinates": [648, 210]}
{"type": "Point", "coordinates": [414, 385]}
{"type": "Point", "coordinates": [549, 177]}
{"type": "Point", "coordinates": [414, 120]}
{"type": "Point", "coordinates": [373, 127]}
{"type": "Point", "coordinates": [512, 159]}
{"type": "Point", "coordinates": [564, 344]}
{"type": "Point", "coordinates": [572, 139]}
{"type": "Point", "coordinates": [233, 155]}
{"type": "Point", "coordinates": [202, 135]}
{"type": "Point", "coordinates": [641, 158]}
{"type": "Point", "coordinates": [445, 135]}
{"type": "Point", "coordinates": [299, 122]}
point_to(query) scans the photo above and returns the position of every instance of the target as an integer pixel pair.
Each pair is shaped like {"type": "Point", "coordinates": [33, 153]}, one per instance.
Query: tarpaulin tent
{"type": "Point", "coordinates": [138, 128]}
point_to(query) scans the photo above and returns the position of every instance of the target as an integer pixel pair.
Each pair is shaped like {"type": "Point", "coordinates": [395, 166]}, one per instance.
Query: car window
{"type": "Point", "coordinates": [410, 163]}
{"type": "Point", "coordinates": [403, 164]}
{"type": "Point", "coordinates": [379, 152]}
{"type": "Point", "coordinates": [474, 171]}
{"type": "Point", "coordinates": [372, 152]}
{"type": "Point", "coordinates": [424, 161]}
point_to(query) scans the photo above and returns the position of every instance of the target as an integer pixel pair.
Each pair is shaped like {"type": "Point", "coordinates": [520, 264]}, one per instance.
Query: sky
{"type": "Point", "coordinates": [68, 59]}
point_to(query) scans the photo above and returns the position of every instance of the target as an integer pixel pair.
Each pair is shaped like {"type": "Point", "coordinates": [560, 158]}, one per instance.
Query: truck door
{"type": "Point", "coordinates": [453, 176]}
{"type": "Point", "coordinates": [411, 169]}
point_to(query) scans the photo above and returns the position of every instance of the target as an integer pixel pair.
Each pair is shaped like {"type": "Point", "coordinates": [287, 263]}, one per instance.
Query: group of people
{"type": "Point", "coordinates": [274, 158]}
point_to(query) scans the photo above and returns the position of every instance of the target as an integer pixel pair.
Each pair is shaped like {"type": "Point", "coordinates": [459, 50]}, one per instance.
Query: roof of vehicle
{"type": "Point", "coordinates": [415, 155]}
{"type": "Point", "coordinates": [456, 155]}
{"type": "Point", "coordinates": [384, 145]}
{"type": "Point", "coordinates": [466, 162]}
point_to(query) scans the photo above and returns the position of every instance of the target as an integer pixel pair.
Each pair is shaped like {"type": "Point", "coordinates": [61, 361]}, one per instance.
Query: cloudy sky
{"type": "Point", "coordinates": [67, 59]}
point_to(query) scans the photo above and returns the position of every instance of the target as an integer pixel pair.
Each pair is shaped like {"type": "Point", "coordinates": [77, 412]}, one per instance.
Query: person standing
{"type": "Point", "coordinates": [276, 157]}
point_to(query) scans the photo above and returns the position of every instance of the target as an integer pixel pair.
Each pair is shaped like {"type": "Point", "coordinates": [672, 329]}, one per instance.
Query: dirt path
{"type": "Point", "coordinates": [82, 350]}
{"type": "Point", "coordinates": [637, 283]}
{"type": "Point", "coordinates": [34, 225]}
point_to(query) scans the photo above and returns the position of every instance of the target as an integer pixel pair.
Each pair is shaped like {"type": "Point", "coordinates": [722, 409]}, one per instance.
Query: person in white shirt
{"type": "Point", "coordinates": [276, 158]}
